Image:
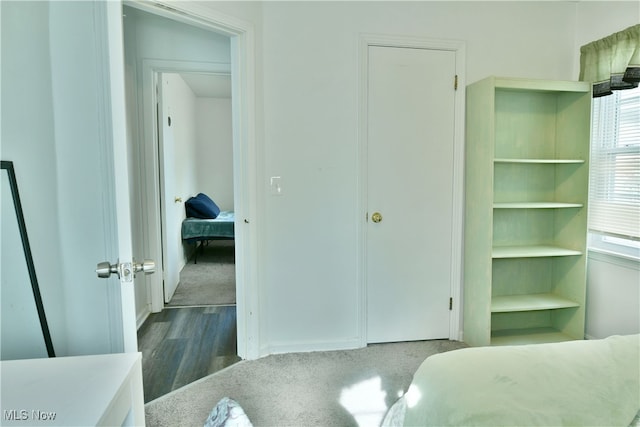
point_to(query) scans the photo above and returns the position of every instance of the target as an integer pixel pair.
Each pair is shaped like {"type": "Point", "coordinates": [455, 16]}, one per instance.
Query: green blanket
{"type": "Point", "coordinates": [577, 383]}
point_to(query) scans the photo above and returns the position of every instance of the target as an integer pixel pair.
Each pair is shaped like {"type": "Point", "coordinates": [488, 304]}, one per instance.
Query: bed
{"type": "Point", "coordinates": [205, 221]}
{"type": "Point", "coordinates": [585, 383]}
{"type": "Point", "coordinates": [199, 230]}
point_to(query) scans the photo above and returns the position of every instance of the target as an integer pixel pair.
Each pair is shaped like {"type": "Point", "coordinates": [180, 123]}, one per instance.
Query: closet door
{"type": "Point", "coordinates": [410, 155]}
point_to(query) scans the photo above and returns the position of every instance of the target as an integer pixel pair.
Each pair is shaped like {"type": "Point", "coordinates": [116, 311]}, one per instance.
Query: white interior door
{"type": "Point", "coordinates": [84, 54]}
{"type": "Point", "coordinates": [101, 161]}
{"type": "Point", "coordinates": [170, 210]}
{"type": "Point", "coordinates": [121, 196]}
{"type": "Point", "coordinates": [410, 155]}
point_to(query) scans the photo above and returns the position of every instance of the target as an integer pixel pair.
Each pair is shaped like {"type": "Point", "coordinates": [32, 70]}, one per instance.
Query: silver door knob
{"type": "Point", "coordinates": [125, 270]}
{"type": "Point", "coordinates": [147, 267]}
{"type": "Point", "coordinates": [106, 269]}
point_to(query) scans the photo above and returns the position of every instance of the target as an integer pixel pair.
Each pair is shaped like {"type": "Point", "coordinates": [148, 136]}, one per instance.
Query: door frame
{"type": "Point", "coordinates": [242, 38]}
{"type": "Point", "coordinates": [150, 154]}
{"type": "Point", "coordinates": [459, 48]}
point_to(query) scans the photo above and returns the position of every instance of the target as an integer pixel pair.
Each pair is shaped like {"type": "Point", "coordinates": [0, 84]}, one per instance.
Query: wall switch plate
{"type": "Point", "coordinates": [276, 186]}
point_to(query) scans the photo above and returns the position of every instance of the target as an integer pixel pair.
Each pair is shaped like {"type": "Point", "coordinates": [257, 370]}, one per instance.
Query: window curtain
{"type": "Point", "coordinates": [612, 63]}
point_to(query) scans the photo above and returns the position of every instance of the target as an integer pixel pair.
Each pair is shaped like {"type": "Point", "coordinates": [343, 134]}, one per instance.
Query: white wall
{"type": "Point", "coordinates": [214, 164]}
{"type": "Point", "coordinates": [598, 19]}
{"type": "Point", "coordinates": [310, 85]}
{"type": "Point", "coordinates": [613, 296]}
{"type": "Point", "coordinates": [28, 140]}
{"type": "Point", "coordinates": [308, 64]}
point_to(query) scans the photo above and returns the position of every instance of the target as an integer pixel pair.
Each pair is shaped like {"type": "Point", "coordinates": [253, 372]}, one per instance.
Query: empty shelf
{"type": "Point", "coordinates": [530, 302]}
{"type": "Point", "coordinates": [536, 205]}
{"type": "Point", "coordinates": [540, 161]}
{"type": "Point", "coordinates": [531, 251]}
{"type": "Point", "coordinates": [528, 336]}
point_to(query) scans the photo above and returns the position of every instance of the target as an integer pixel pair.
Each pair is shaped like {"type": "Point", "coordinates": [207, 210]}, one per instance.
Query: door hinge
{"type": "Point", "coordinates": [455, 82]}
{"type": "Point", "coordinates": [450, 303]}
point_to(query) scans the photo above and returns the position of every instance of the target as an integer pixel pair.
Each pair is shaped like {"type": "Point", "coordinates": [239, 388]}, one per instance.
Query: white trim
{"type": "Point", "coordinates": [141, 317]}
{"type": "Point", "coordinates": [308, 346]}
{"type": "Point", "coordinates": [194, 14]}
{"type": "Point", "coordinates": [457, 249]}
{"type": "Point", "coordinates": [459, 47]}
{"type": "Point", "coordinates": [613, 258]}
{"type": "Point", "coordinates": [245, 164]}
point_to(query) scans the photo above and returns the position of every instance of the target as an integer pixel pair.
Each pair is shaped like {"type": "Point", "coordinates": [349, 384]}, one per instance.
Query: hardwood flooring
{"type": "Point", "coordinates": [181, 345]}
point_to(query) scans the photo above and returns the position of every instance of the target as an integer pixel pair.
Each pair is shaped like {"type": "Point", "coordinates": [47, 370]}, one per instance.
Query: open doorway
{"type": "Point", "coordinates": [157, 46]}
{"type": "Point", "coordinates": [195, 334]}
{"type": "Point", "coordinates": [195, 146]}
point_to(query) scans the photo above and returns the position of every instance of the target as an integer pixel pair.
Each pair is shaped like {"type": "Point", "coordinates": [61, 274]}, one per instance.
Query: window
{"type": "Point", "coordinates": [614, 195]}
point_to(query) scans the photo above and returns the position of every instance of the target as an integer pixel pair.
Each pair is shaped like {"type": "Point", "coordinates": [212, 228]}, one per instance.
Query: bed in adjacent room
{"type": "Point", "coordinates": [205, 222]}
{"type": "Point", "coordinates": [221, 227]}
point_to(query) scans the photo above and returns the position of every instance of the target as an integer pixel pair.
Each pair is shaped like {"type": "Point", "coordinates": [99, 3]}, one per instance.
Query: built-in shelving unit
{"type": "Point", "coordinates": [527, 164]}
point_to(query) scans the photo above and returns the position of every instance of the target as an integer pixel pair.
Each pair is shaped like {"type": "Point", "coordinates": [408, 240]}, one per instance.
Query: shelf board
{"type": "Point", "coordinates": [539, 161]}
{"type": "Point", "coordinates": [528, 336]}
{"type": "Point", "coordinates": [531, 251]}
{"type": "Point", "coordinates": [536, 205]}
{"type": "Point", "coordinates": [558, 86]}
{"type": "Point", "coordinates": [530, 302]}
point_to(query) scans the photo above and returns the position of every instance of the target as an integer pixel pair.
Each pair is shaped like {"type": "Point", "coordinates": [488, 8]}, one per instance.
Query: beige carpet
{"type": "Point", "coordinates": [332, 388]}
{"type": "Point", "coordinates": [212, 281]}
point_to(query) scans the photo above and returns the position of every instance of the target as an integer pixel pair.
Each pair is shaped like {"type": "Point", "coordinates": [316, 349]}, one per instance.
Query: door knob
{"type": "Point", "coordinates": [147, 267]}
{"type": "Point", "coordinates": [106, 269]}
{"type": "Point", "coordinates": [376, 217]}
{"type": "Point", "coordinates": [125, 270]}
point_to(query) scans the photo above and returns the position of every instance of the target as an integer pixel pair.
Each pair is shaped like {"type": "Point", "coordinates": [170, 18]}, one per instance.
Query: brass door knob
{"type": "Point", "coordinates": [376, 217]}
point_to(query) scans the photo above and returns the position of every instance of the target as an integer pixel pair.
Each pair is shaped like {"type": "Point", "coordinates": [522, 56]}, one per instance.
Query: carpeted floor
{"type": "Point", "coordinates": [212, 281]}
{"type": "Point", "coordinates": [333, 388]}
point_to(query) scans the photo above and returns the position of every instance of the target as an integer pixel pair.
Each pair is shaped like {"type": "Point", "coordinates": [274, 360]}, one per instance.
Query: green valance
{"type": "Point", "coordinates": [612, 63]}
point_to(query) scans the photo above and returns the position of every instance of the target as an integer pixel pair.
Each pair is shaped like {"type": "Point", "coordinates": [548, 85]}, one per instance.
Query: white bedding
{"type": "Point", "coordinates": [582, 383]}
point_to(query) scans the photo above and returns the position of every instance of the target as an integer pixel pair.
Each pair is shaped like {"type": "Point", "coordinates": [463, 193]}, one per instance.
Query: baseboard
{"type": "Point", "coordinates": [308, 346]}
{"type": "Point", "coordinates": [142, 316]}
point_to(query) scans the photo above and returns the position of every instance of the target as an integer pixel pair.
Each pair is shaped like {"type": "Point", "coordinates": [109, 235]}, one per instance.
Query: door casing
{"type": "Point", "coordinates": [365, 41]}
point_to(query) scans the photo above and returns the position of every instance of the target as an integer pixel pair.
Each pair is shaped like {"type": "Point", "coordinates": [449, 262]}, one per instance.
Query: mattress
{"type": "Point", "coordinates": [195, 229]}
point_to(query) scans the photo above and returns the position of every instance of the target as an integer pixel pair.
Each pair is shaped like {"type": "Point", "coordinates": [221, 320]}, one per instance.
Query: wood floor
{"type": "Point", "coordinates": [181, 345]}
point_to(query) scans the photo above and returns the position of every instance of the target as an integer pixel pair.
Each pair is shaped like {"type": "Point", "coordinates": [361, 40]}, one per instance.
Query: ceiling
{"type": "Point", "coordinates": [209, 85]}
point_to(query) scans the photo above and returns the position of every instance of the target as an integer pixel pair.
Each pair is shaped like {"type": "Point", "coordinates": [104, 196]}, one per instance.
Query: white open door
{"type": "Point", "coordinates": [172, 212]}
{"type": "Point", "coordinates": [121, 199]}
{"type": "Point", "coordinates": [82, 48]}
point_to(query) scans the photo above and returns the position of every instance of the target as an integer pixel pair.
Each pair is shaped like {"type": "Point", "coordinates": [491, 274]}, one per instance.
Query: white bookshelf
{"type": "Point", "coordinates": [527, 162]}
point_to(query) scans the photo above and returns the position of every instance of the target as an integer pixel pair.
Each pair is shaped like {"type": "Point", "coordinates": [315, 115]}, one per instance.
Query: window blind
{"type": "Point", "coordinates": [614, 194]}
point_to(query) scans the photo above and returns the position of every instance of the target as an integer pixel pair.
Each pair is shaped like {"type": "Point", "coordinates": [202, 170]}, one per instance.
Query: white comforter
{"type": "Point", "coordinates": [579, 383]}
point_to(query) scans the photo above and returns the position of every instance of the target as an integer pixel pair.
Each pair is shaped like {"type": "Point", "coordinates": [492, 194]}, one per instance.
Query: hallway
{"type": "Point", "coordinates": [182, 345]}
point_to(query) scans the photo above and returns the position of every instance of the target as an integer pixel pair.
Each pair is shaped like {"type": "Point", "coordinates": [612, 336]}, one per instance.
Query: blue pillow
{"type": "Point", "coordinates": [201, 206]}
